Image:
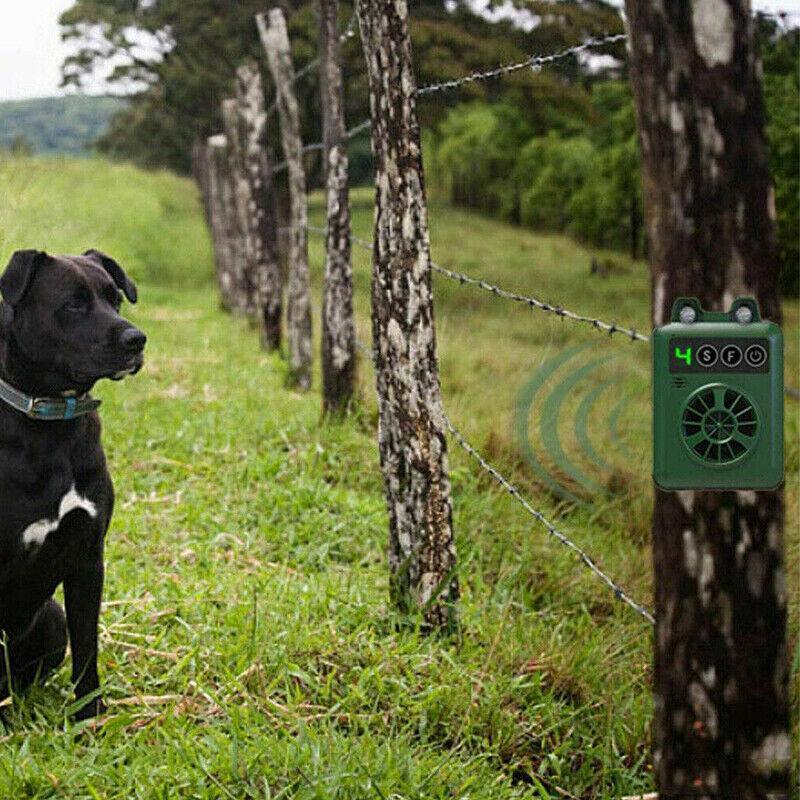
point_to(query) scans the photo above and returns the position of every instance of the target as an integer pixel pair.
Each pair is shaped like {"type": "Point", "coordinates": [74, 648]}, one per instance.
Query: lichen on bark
{"type": "Point", "coordinates": [275, 39]}
{"type": "Point", "coordinates": [262, 254]}
{"type": "Point", "coordinates": [721, 674]}
{"type": "Point", "coordinates": [228, 252]}
{"type": "Point", "coordinates": [244, 277]}
{"type": "Point", "coordinates": [338, 328]}
{"type": "Point", "coordinates": [412, 441]}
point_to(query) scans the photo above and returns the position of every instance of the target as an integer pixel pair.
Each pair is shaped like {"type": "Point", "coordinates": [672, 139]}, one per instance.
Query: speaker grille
{"type": "Point", "coordinates": [719, 424]}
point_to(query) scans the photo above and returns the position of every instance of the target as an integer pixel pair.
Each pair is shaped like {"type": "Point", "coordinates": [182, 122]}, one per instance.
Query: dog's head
{"type": "Point", "coordinates": [62, 315]}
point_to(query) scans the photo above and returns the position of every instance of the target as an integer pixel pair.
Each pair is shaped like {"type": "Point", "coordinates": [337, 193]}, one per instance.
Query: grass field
{"type": "Point", "coordinates": [247, 648]}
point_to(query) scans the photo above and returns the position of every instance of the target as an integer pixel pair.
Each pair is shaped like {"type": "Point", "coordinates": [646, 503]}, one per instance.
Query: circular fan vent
{"type": "Point", "coordinates": [719, 424]}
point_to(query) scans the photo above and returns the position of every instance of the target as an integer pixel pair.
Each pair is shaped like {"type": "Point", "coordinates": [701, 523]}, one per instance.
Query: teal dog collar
{"type": "Point", "coordinates": [48, 409]}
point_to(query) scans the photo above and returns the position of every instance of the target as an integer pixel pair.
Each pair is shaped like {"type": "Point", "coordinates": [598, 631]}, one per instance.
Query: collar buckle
{"type": "Point", "coordinates": [60, 409]}
{"type": "Point", "coordinates": [32, 410]}
{"type": "Point", "coordinates": [47, 408]}
{"type": "Point", "coordinates": [40, 408]}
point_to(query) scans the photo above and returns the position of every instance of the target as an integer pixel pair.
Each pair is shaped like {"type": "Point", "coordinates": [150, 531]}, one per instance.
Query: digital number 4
{"type": "Point", "coordinates": [686, 355]}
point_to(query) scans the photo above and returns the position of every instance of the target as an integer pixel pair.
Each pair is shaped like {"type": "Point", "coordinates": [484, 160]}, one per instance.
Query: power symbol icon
{"type": "Point", "coordinates": [755, 355]}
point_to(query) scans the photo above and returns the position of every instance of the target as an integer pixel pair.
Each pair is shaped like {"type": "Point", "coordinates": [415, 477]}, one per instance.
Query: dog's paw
{"type": "Point", "coordinates": [93, 708]}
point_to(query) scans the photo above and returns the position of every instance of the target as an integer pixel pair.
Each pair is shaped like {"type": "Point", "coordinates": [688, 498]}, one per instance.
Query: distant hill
{"type": "Point", "coordinates": [56, 124]}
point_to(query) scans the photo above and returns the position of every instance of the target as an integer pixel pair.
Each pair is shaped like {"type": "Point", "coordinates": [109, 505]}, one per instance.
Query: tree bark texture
{"type": "Point", "coordinates": [244, 283]}
{"type": "Point", "coordinates": [275, 39]}
{"type": "Point", "coordinates": [262, 254]}
{"type": "Point", "coordinates": [338, 329]}
{"type": "Point", "coordinates": [219, 211]}
{"type": "Point", "coordinates": [412, 442]}
{"type": "Point", "coordinates": [701, 114]}
{"type": "Point", "coordinates": [721, 664]}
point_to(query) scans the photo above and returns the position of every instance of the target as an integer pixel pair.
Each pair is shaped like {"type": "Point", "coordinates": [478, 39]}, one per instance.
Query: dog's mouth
{"type": "Point", "coordinates": [133, 365]}
{"type": "Point", "coordinates": [131, 370]}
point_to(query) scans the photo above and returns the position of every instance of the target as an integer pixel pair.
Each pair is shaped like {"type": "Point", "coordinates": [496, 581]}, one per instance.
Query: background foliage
{"type": "Point", "coordinates": [180, 59]}
{"type": "Point", "coordinates": [68, 125]}
{"type": "Point", "coordinates": [582, 177]}
{"type": "Point", "coordinates": [246, 645]}
{"type": "Point", "coordinates": [553, 149]}
{"type": "Point", "coordinates": [782, 93]}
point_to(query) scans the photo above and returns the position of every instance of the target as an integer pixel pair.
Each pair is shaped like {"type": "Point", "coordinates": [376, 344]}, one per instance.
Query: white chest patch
{"type": "Point", "coordinates": [35, 534]}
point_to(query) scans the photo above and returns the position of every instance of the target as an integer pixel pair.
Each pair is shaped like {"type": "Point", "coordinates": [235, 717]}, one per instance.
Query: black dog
{"type": "Point", "coordinates": [60, 332]}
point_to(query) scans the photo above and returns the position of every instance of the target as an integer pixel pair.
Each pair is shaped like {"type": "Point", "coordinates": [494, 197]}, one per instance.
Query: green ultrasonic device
{"type": "Point", "coordinates": [717, 398]}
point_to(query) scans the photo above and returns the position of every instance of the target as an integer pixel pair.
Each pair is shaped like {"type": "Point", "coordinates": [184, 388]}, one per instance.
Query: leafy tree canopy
{"type": "Point", "coordinates": [554, 148]}
{"type": "Point", "coordinates": [179, 59]}
{"type": "Point", "coordinates": [582, 176]}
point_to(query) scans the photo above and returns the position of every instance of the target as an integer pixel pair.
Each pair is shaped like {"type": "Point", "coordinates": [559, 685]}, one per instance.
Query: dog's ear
{"type": "Point", "coordinates": [6, 317]}
{"type": "Point", "coordinates": [124, 283]}
{"type": "Point", "coordinates": [15, 281]}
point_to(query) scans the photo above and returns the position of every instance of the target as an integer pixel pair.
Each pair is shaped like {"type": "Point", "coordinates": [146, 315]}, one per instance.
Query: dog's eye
{"type": "Point", "coordinates": [113, 298]}
{"type": "Point", "coordinates": [78, 305]}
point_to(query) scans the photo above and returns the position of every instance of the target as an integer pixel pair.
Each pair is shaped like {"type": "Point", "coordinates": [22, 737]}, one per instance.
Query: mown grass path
{"type": "Point", "coordinates": [247, 648]}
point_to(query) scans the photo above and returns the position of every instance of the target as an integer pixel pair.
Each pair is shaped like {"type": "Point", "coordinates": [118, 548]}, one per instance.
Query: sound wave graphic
{"type": "Point", "coordinates": [549, 408]}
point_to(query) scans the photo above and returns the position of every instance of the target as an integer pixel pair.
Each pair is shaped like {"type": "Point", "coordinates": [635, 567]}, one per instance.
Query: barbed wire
{"type": "Point", "coordinates": [531, 62]}
{"type": "Point", "coordinates": [619, 593]}
{"type": "Point", "coordinates": [532, 302]}
{"type": "Point", "coordinates": [310, 148]}
{"type": "Point", "coordinates": [348, 33]}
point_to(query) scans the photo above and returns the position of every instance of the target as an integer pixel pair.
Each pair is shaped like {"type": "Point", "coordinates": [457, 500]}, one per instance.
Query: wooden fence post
{"type": "Point", "coordinates": [721, 726]}
{"type": "Point", "coordinates": [218, 197]}
{"type": "Point", "coordinates": [244, 284]}
{"type": "Point", "coordinates": [412, 442]}
{"type": "Point", "coordinates": [244, 300]}
{"type": "Point", "coordinates": [235, 213]}
{"type": "Point", "coordinates": [338, 328]}
{"type": "Point", "coordinates": [265, 270]}
{"type": "Point", "coordinates": [275, 39]}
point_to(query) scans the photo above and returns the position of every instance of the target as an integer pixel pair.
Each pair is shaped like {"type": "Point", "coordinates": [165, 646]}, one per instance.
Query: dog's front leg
{"type": "Point", "coordinates": [83, 592]}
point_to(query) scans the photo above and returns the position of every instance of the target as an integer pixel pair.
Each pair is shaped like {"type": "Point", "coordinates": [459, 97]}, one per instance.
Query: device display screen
{"type": "Point", "coordinates": [725, 355]}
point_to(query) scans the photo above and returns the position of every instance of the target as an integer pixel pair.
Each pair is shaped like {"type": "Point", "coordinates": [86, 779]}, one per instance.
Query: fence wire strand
{"type": "Point", "coordinates": [532, 62]}
{"type": "Point", "coordinates": [585, 559]}
{"type": "Point", "coordinates": [348, 33]}
{"type": "Point", "coordinates": [311, 148]}
{"type": "Point", "coordinates": [532, 302]}
{"type": "Point", "coordinates": [619, 593]}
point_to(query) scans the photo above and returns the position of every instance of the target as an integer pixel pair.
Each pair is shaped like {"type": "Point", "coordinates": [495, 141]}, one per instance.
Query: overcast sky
{"type": "Point", "coordinates": [31, 50]}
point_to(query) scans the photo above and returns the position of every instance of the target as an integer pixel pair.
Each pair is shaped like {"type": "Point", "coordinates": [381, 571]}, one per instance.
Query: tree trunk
{"type": "Point", "coordinates": [634, 222]}
{"type": "Point", "coordinates": [264, 267]}
{"type": "Point", "coordinates": [412, 443]}
{"type": "Point", "coordinates": [721, 668]}
{"type": "Point", "coordinates": [338, 329]}
{"type": "Point", "coordinates": [275, 39]}
{"type": "Point", "coordinates": [244, 283]}
{"type": "Point", "coordinates": [219, 208]}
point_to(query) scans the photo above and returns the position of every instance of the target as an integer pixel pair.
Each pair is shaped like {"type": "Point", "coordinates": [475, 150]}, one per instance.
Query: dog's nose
{"type": "Point", "coordinates": [133, 340]}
